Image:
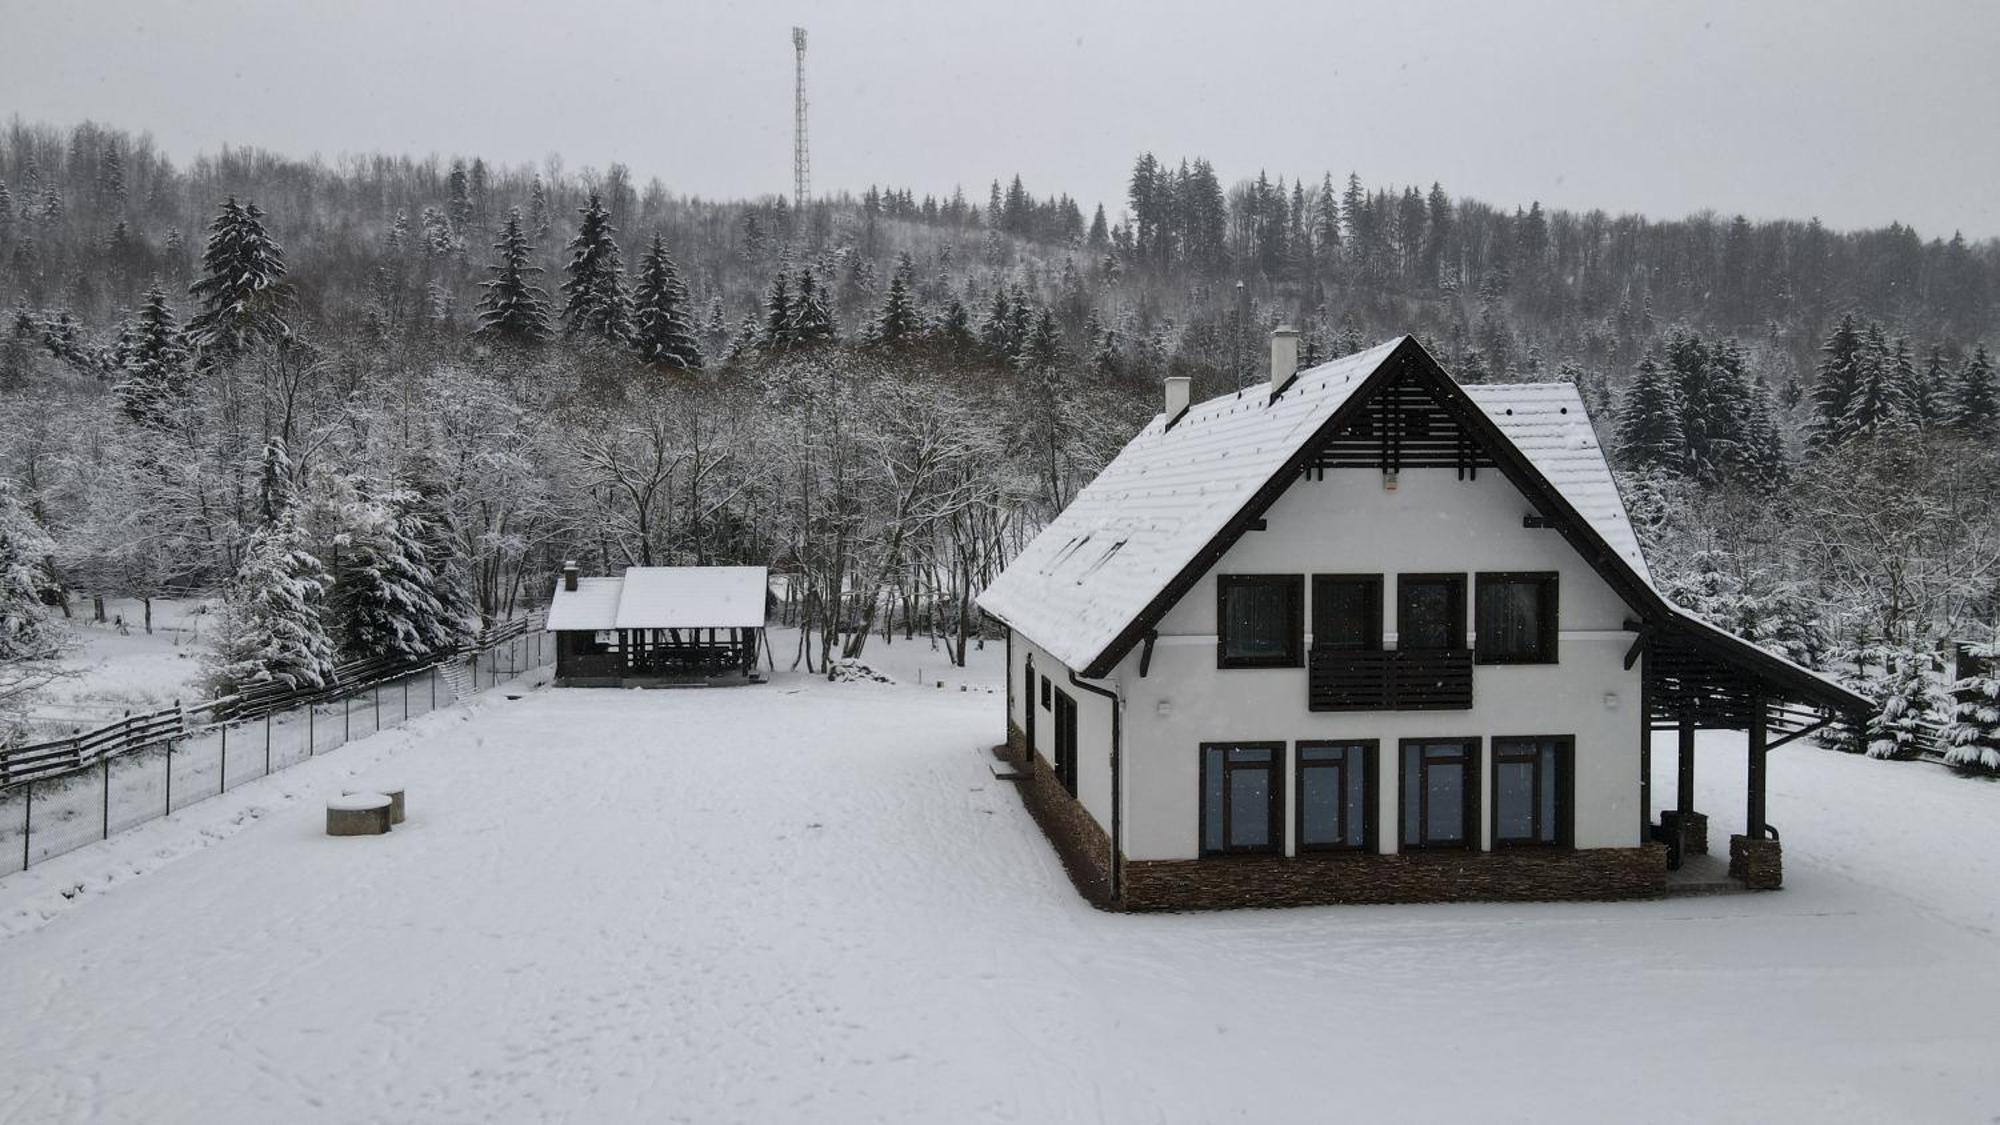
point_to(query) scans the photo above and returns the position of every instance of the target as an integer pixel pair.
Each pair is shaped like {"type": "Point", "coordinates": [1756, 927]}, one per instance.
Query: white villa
{"type": "Point", "coordinates": [1361, 634]}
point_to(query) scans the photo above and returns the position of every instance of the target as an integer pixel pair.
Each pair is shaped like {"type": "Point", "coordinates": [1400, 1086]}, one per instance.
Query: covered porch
{"type": "Point", "coordinates": [660, 627]}
{"type": "Point", "coordinates": [1693, 679]}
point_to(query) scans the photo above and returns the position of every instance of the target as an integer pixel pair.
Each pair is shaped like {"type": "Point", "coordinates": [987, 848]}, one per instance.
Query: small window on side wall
{"type": "Point", "coordinates": [1258, 620]}
{"type": "Point", "coordinates": [1045, 693]}
{"type": "Point", "coordinates": [1516, 618]}
{"type": "Point", "coordinates": [1531, 791]}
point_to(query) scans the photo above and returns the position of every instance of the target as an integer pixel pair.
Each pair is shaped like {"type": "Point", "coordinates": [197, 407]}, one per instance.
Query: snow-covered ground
{"type": "Point", "coordinates": [116, 670]}
{"type": "Point", "coordinates": [811, 901]}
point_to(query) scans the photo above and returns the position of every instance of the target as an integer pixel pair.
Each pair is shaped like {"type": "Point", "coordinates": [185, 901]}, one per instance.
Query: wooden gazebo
{"type": "Point", "coordinates": [659, 626]}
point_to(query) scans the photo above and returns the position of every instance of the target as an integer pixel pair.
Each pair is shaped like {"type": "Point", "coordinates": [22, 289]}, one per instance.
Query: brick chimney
{"type": "Point", "coordinates": [569, 576]}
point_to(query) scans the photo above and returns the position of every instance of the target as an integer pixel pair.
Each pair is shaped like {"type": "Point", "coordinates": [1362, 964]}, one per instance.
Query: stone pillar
{"type": "Point", "coordinates": [1760, 864]}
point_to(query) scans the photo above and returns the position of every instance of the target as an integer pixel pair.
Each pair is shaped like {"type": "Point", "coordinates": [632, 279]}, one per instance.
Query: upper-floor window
{"type": "Point", "coordinates": [1516, 618]}
{"type": "Point", "coordinates": [1347, 612]}
{"type": "Point", "coordinates": [1430, 612]}
{"type": "Point", "coordinates": [1258, 620]}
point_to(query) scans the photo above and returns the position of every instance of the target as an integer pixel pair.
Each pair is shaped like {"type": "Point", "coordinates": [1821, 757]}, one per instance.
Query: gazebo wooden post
{"type": "Point", "coordinates": [1684, 785]}
{"type": "Point", "coordinates": [1753, 825]}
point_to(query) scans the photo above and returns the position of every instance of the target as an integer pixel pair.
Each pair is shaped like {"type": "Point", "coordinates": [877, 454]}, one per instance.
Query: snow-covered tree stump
{"type": "Point", "coordinates": [358, 814]}
{"type": "Point", "coordinates": [390, 789]}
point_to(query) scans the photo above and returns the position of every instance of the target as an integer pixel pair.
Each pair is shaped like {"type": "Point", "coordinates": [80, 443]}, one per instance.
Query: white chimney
{"type": "Point", "coordinates": [1284, 357]}
{"type": "Point", "coordinates": [569, 576]}
{"type": "Point", "coordinates": [1177, 397]}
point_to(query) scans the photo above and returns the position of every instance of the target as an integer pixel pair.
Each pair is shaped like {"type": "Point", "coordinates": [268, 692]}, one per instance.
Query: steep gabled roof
{"type": "Point", "coordinates": [1174, 500]}
{"type": "Point", "coordinates": [663, 597]}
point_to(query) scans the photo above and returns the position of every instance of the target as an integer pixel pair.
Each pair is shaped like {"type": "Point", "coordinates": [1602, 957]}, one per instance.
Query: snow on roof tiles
{"type": "Point", "coordinates": [664, 597]}
{"type": "Point", "coordinates": [1097, 565]}
{"type": "Point", "coordinates": [1548, 423]}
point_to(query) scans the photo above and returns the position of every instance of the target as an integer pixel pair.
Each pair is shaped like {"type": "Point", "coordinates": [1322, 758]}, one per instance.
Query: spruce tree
{"type": "Point", "coordinates": [1868, 408]}
{"type": "Point", "coordinates": [1839, 374]}
{"type": "Point", "coordinates": [899, 324]}
{"type": "Point", "coordinates": [270, 629]}
{"type": "Point", "coordinates": [382, 597]}
{"type": "Point", "coordinates": [778, 336]}
{"type": "Point", "coordinates": [1649, 424]}
{"type": "Point", "coordinates": [1975, 406]}
{"type": "Point", "coordinates": [422, 504]}
{"type": "Point", "coordinates": [812, 321]}
{"type": "Point", "coordinates": [1973, 736]}
{"type": "Point", "coordinates": [594, 292]}
{"type": "Point", "coordinates": [514, 308]}
{"type": "Point", "coordinates": [28, 636]}
{"type": "Point", "coordinates": [1909, 699]}
{"type": "Point", "coordinates": [242, 293]}
{"type": "Point", "coordinates": [662, 326]}
{"type": "Point", "coordinates": [155, 379]}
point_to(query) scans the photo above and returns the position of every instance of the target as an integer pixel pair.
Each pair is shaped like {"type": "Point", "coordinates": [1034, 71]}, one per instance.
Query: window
{"type": "Point", "coordinates": [1430, 612]}
{"type": "Point", "coordinates": [1336, 795]}
{"type": "Point", "coordinates": [1065, 755]}
{"type": "Point", "coordinates": [1516, 619]}
{"type": "Point", "coordinates": [1347, 612]}
{"type": "Point", "coordinates": [1045, 693]}
{"type": "Point", "coordinates": [1240, 801]}
{"type": "Point", "coordinates": [1028, 700]}
{"type": "Point", "coordinates": [1440, 793]}
{"type": "Point", "coordinates": [1531, 787]}
{"type": "Point", "coordinates": [1258, 620]}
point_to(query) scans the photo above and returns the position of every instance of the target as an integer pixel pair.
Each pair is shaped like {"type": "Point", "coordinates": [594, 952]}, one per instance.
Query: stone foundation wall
{"type": "Point", "coordinates": [1079, 840]}
{"type": "Point", "coordinates": [1695, 842]}
{"type": "Point", "coordinates": [1337, 878]}
{"type": "Point", "coordinates": [1759, 863]}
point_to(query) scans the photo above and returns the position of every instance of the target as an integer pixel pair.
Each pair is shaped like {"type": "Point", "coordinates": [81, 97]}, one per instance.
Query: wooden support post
{"type": "Point", "coordinates": [1754, 819]}
{"type": "Point", "coordinates": [1684, 787]}
{"type": "Point", "coordinates": [1645, 750]}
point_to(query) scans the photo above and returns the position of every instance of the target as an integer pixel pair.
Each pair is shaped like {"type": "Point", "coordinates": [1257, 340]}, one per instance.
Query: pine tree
{"type": "Point", "coordinates": [1763, 464]}
{"type": "Point", "coordinates": [423, 504]}
{"type": "Point", "coordinates": [954, 330]}
{"type": "Point", "coordinates": [513, 308]}
{"type": "Point", "coordinates": [270, 629]}
{"type": "Point", "coordinates": [275, 491]}
{"type": "Point", "coordinates": [1100, 233]}
{"type": "Point", "coordinates": [1649, 425]}
{"type": "Point", "coordinates": [1869, 407]}
{"type": "Point", "coordinates": [540, 218]}
{"type": "Point", "coordinates": [459, 207]}
{"type": "Point", "coordinates": [1839, 373]}
{"type": "Point", "coordinates": [812, 321]}
{"type": "Point", "coordinates": [1975, 406]}
{"type": "Point", "coordinates": [1909, 699]}
{"type": "Point", "coordinates": [662, 327]}
{"type": "Point", "coordinates": [594, 292]}
{"type": "Point", "coordinates": [899, 324]}
{"type": "Point", "coordinates": [155, 379]}
{"type": "Point", "coordinates": [382, 597]}
{"type": "Point", "coordinates": [243, 296]}
{"type": "Point", "coordinates": [777, 336]}
{"type": "Point", "coordinates": [1043, 349]}
{"type": "Point", "coordinates": [1973, 737]}
{"type": "Point", "coordinates": [28, 636]}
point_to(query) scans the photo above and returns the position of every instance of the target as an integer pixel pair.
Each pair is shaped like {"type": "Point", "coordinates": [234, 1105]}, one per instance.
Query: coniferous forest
{"type": "Point", "coordinates": [367, 404]}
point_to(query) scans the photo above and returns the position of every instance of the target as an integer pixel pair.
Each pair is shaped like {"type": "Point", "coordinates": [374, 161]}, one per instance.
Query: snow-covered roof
{"type": "Point", "coordinates": [592, 605]}
{"type": "Point", "coordinates": [1099, 563]}
{"type": "Point", "coordinates": [1547, 422]}
{"type": "Point", "coordinates": [1097, 568]}
{"type": "Point", "coordinates": [664, 597]}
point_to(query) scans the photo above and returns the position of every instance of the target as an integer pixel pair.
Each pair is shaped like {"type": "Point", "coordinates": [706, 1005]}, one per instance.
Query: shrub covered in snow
{"type": "Point", "coordinates": [1973, 738]}
{"type": "Point", "coordinates": [1910, 702]}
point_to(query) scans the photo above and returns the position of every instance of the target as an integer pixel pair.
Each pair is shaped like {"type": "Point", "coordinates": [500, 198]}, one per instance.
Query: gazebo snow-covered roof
{"type": "Point", "coordinates": [661, 597]}
{"type": "Point", "coordinates": [1110, 565]}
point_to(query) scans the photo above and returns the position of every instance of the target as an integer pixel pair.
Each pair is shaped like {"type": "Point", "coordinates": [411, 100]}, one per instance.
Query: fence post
{"type": "Point", "coordinates": [434, 687]}
{"type": "Point", "coordinates": [346, 720]}
{"type": "Point", "coordinates": [170, 779]}
{"type": "Point", "coordinates": [312, 723]}
{"type": "Point", "coordinates": [406, 699]}
{"type": "Point", "coordinates": [223, 771]}
{"type": "Point", "coordinates": [27, 821]}
{"type": "Point", "coordinates": [378, 707]}
{"type": "Point", "coordinates": [107, 798]}
{"type": "Point", "coordinates": [267, 742]}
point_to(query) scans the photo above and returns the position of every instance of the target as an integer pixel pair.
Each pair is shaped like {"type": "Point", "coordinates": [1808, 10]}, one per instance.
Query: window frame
{"type": "Point", "coordinates": [1371, 794]}
{"type": "Point", "coordinates": [1547, 628]}
{"type": "Point", "coordinates": [1046, 688]}
{"type": "Point", "coordinates": [1564, 835]}
{"type": "Point", "coordinates": [1276, 768]}
{"type": "Point", "coordinates": [1371, 627]}
{"type": "Point", "coordinates": [1471, 833]}
{"type": "Point", "coordinates": [1294, 654]}
{"type": "Point", "coordinates": [1064, 756]}
{"type": "Point", "coordinates": [1456, 583]}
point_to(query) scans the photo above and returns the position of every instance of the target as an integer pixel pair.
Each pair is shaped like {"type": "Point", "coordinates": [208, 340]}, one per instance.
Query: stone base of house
{"type": "Point", "coordinates": [1760, 864]}
{"type": "Point", "coordinates": [1082, 844]}
{"type": "Point", "coordinates": [1693, 826]}
{"type": "Point", "coordinates": [1517, 875]}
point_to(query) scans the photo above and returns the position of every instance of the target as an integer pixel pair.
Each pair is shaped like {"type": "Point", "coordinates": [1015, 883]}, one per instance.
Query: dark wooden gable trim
{"type": "Point", "coordinates": [1251, 512]}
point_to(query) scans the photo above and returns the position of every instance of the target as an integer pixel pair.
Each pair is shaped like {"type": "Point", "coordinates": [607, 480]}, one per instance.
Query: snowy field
{"type": "Point", "coordinates": [812, 902]}
{"type": "Point", "coordinates": [112, 672]}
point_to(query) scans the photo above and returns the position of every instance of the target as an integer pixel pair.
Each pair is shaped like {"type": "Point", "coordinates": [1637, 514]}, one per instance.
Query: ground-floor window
{"type": "Point", "coordinates": [1440, 792]}
{"type": "Point", "coordinates": [1241, 802]}
{"type": "Point", "coordinates": [1531, 790]}
{"type": "Point", "coordinates": [1065, 756]}
{"type": "Point", "coordinates": [1336, 787]}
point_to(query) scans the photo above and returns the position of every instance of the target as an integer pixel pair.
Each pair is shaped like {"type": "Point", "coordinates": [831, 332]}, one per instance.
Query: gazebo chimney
{"type": "Point", "coordinates": [1177, 398]}
{"type": "Point", "coordinates": [569, 576]}
{"type": "Point", "coordinates": [1284, 359]}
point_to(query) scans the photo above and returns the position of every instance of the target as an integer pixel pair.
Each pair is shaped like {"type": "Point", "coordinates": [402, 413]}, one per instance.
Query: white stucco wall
{"type": "Point", "coordinates": [1093, 724]}
{"type": "Point", "coordinates": [1347, 522]}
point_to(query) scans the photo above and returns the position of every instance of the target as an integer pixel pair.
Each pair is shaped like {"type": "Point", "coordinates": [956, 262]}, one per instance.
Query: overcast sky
{"type": "Point", "coordinates": [1858, 113]}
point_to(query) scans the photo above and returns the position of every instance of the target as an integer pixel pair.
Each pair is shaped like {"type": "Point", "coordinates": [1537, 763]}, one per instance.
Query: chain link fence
{"type": "Point", "coordinates": [128, 785]}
